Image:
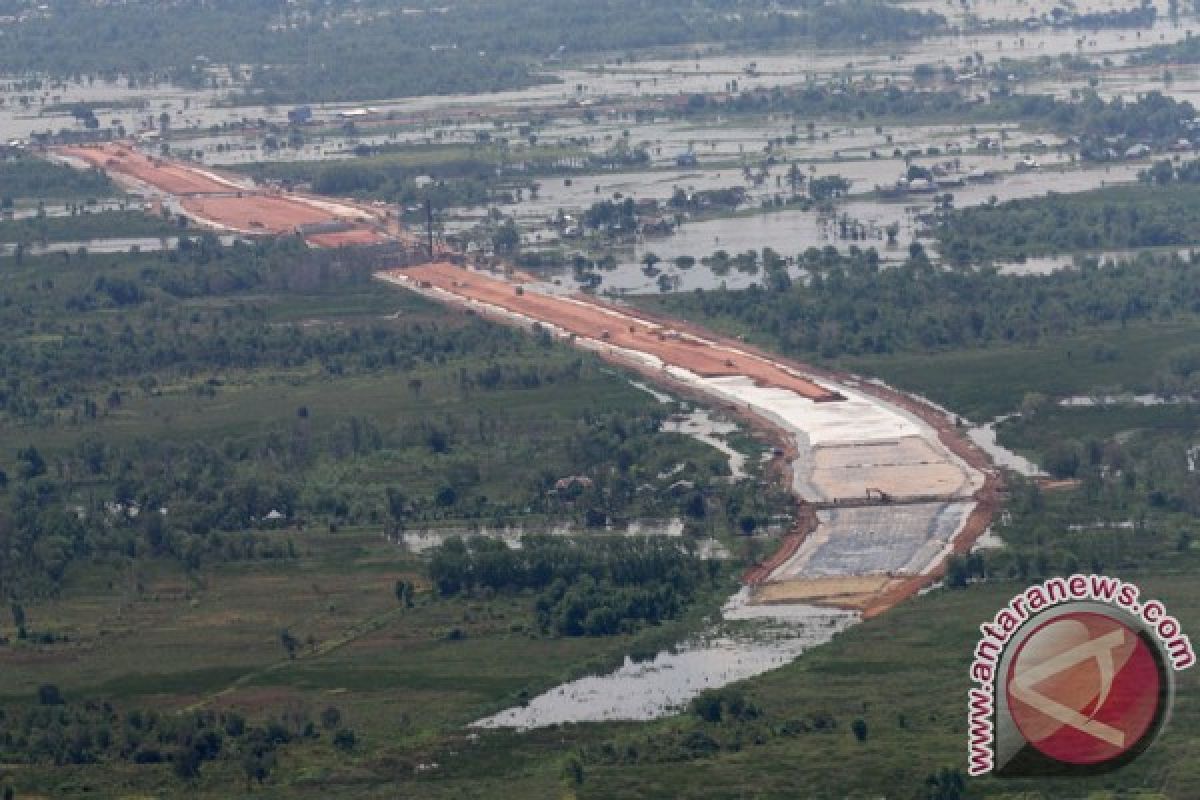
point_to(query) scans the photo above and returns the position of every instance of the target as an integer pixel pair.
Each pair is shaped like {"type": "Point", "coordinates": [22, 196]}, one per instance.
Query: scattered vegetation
{"type": "Point", "coordinates": [1118, 218]}
{"type": "Point", "coordinates": [852, 306]}
{"type": "Point", "coordinates": [313, 51]}
{"type": "Point", "coordinates": [584, 587]}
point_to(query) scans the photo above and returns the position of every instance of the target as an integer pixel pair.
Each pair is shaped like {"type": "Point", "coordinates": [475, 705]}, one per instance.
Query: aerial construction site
{"type": "Point", "coordinates": [232, 204]}
{"type": "Point", "coordinates": [887, 489]}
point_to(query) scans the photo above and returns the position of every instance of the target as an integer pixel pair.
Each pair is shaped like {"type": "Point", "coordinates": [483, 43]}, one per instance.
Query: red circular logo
{"type": "Point", "coordinates": [1085, 688]}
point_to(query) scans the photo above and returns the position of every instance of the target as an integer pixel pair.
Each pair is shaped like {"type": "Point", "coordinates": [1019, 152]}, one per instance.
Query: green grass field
{"type": "Point", "coordinates": [983, 383]}
{"type": "Point", "coordinates": [151, 636]}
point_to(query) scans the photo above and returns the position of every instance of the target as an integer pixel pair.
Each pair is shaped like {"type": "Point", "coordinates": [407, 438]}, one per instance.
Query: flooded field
{"type": "Point", "coordinates": [724, 148]}
{"type": "Point", "coordinates": [845, 451]}
{"type": "Point", "coordinates": [744, 644]}
{"type": "Point", "coordinates": [422, 541]}
{"type": "Point", "coordinates": [984, 437]}
{"type": "Point", "coordinates": [145, 244]}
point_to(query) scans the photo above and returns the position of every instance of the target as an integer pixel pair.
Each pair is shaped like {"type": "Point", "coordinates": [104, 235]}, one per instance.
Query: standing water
{"type": "Point", "coordinates": [750, 641]}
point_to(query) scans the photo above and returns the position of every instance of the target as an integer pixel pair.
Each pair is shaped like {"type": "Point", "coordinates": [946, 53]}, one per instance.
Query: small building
{"type": "Point", "coordinates": [300, 115]}
{"type": "Point", "coordinates": [358, 113]}
{"type": "Point", "coordinates": [565, 484]}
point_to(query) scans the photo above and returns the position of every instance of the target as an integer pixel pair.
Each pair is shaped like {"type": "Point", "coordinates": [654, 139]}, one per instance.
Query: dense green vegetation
{"type": "Point", "coordinates": [219, 435]}
{"type": "Point", "coordinates": [1103, 129]}
{"type": "Point", "coordinates": [1119, 218]}
{"type": "Point", "coordinates": [852, 306]}
{"type": "Point", "coordinates": [1106, 359]}
{"type": "Point", "coordinates": [208, 457]}
{"type": "Point", "coordinates": [84, 225]}
{"type": "Point", "coordinates": [315, 50]}
{"type": "Point", "coordinates": [596, 588]}
{"type": "Point", "coordinates": [26, 180]}
{"type": "Point", "coordinates": [456, 175]}
{"type": "Point", "coordinates": [134, 393]}
{"type": "Point", "coordinates": [96, 733]}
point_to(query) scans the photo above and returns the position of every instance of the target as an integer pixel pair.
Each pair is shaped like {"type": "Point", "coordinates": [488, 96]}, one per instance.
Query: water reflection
{"type": "Point", "coordinates": [750, 641]}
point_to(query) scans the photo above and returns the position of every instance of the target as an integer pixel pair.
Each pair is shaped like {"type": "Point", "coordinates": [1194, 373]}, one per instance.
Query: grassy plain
{"type": "Point", "coordinates": [983, 383]}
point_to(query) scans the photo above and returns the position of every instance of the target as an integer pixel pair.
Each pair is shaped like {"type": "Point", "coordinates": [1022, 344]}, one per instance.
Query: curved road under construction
{"type": "Point", "coordinates": [887, 488]}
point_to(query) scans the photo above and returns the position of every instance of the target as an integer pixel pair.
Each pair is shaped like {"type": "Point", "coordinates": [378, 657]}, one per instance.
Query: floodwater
{"type": "Point", "coordinates": [984, 437]}
{"type": "Point", "coordinates": [1140, 400]}
{"type": "Point", "coordinates": [712, 71]}
{"type": "Point", "coordinates": [62, 210]}
{"type": "Point", "coordinates": [721, 145]}
{"type": "Point", "coordinates": [749, 641]}
{"type": "Point", "coordinates": [145, 244]}
{"type": "Point", "coordinates": [989, 541]}
{"type": "Point", "coordinates": [704, 426]}
{"type": "Point", "coordinates": [422, 541]}
{"type": "Point", "coordinates": [792, 231]}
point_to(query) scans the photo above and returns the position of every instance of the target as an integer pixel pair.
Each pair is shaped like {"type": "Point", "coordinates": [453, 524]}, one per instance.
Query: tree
{"type": "Point", "coordinates": [446, 497]}
{"type": "Point", "coordinates": [397, 504]}
{"type": "Point", "coordinates": [32, 463]}
{"type": "Point", "coordinates": [404, 593]}
{"type": "Point", "coordinates": [573, 771]}
{"type": "Point", "coordinates": [186, 763]}
{"type": "Point", "coordinates": [345, 739]}
{"type": "Point", "coordinates": [257, 765]}
{"type": "Point", "coordinates": [49, 695]}
{"type": "Point", "coordinates": [331, 717]}
{"type": "Point", "coordinates": [290, 643]}
{"type": "Point", "coordinates": [1161, 173]}
{"type": "Point", "coordinates": [956, 572]}
{"type": "Point", "coordinates": [947, 784]}
{"type": "Point", "coordinates": [507, 238]}
{"type": "Point", "coordinates": [18, 615]}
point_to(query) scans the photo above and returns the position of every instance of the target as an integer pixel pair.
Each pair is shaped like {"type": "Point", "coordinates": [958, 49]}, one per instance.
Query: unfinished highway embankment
{"type": "Point", "coordinates": [231, 203]}
{"type": "Point", "coordinates": [887, 489]}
